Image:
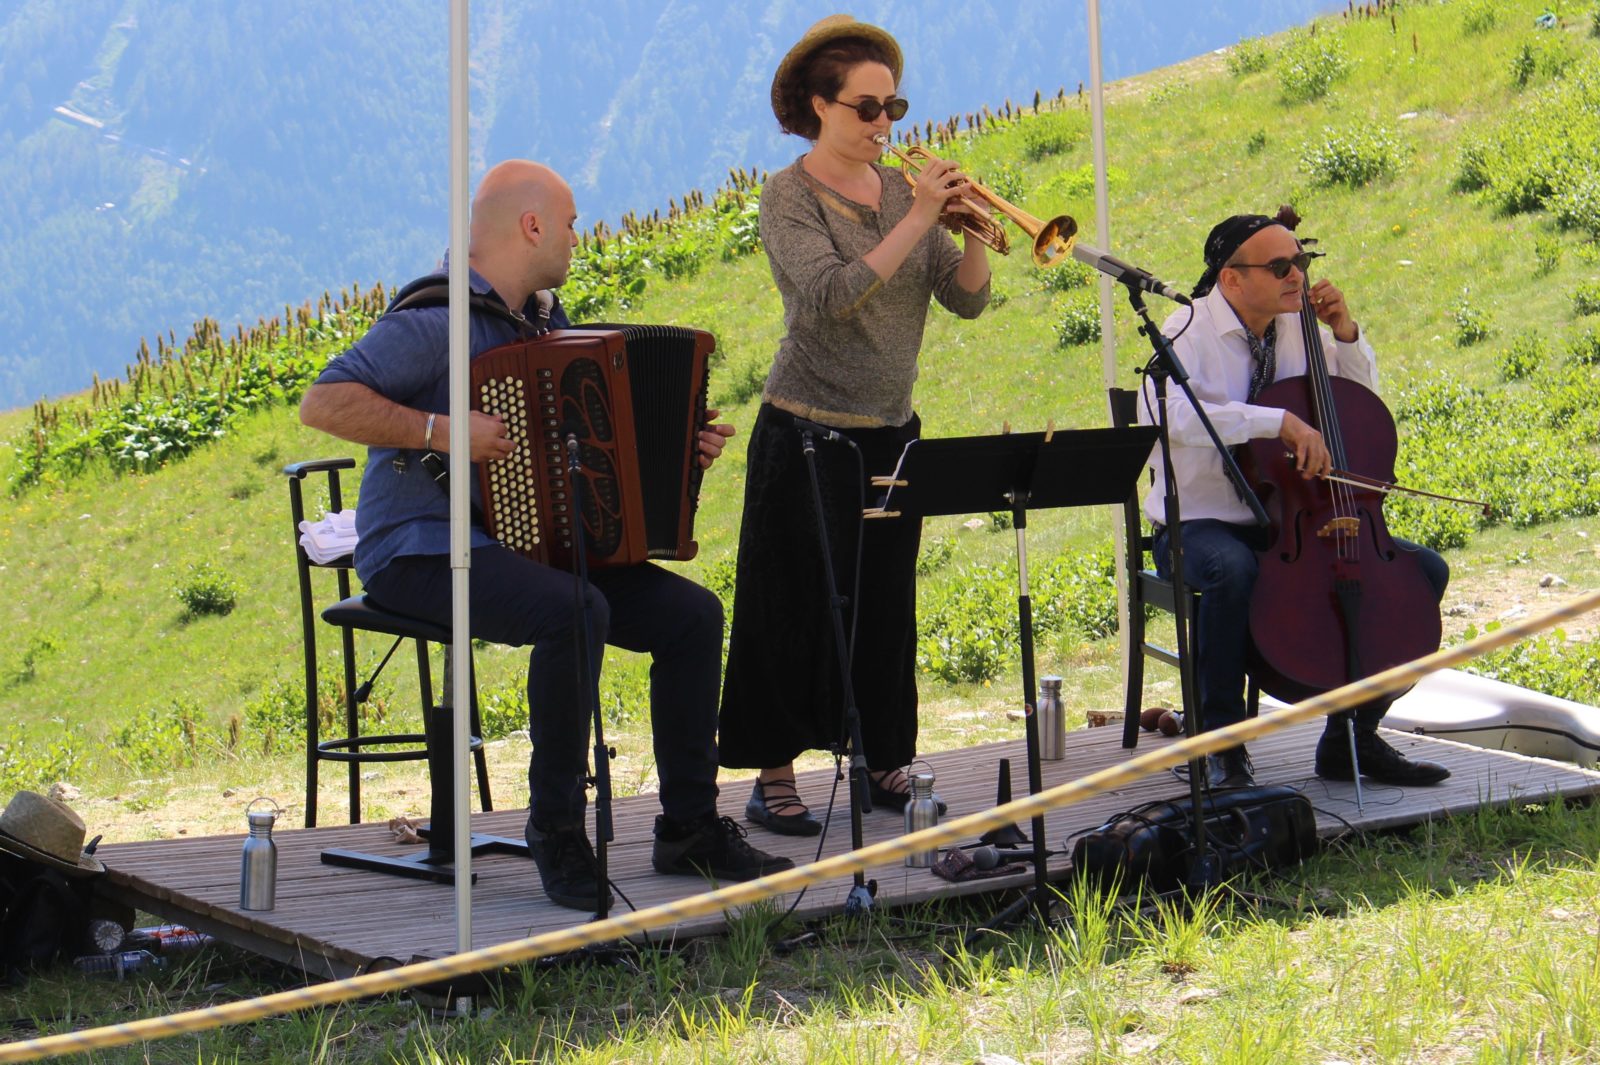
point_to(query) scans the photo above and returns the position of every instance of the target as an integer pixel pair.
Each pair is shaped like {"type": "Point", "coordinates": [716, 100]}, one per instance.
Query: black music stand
{"type": "Point", "coordinates": [1019, 472]}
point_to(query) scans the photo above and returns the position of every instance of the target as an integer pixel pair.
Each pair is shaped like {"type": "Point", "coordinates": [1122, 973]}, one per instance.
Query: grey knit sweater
{"type": "Point", "coordinates": [849, 355]}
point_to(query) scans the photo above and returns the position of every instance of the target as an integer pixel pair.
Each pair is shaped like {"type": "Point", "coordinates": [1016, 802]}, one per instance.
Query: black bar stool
{"type": "Point", "coordinates": [352, 613]}
{"type": "Point", "coordinates": [1147, 589]}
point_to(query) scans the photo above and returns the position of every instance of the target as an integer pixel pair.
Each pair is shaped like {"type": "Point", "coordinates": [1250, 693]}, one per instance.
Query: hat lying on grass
{"type": "Point", "coordinates": [44, 830]}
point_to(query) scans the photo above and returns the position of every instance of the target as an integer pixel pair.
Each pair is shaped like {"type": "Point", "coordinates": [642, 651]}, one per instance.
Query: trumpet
{"type": "Point", "coordinates": [1052, 240]}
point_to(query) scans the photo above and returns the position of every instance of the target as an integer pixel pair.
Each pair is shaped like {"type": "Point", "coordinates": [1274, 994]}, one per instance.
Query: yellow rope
{"type": "Point", "coordinates": [501, 955]}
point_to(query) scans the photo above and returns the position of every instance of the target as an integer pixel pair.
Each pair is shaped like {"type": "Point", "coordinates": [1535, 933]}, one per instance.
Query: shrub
{"type": "Point", "coordinates": [1256, 142]}
{"type": "Point", "coordinates": [159, 739]}
{"type": "Point", "coordinates": [1546, 254]}
{"type": "Point", "coordinates": [1584, 349]}
{"type": "Point", "coordinates": [1078, 184]}
{"type": "Point", "coordinates": [967, 626]}
{"type": "Point", "coordinates": [1586, 298]}
{"type": "Point", "coordinates": [1594, 22]}
{"type": "Point", "coordinates": [1549, 663]}
{"type": "Point", "coordinates": [934, 554]}
{"type": "Point", "coordinates": [503, 711]}
{"type": "Point", "coordinates": [1310, 64]}
{"type": "Point", "coordinates": [1478, 17]}
{"type": "Point", "coordinates": [1079, 322]}
{"type": "Point", "coordinates": [1249, 56]}
{"type": "Point", "coordinates": [1169, 91]}
{"type": "Point", "coordinates": [1472, 321]}
{"type": "Point", "coordinates": [1542, 155]}
{"type": "Point", "coordinates": [1356, 156]}
{"type": "Point", "coordinates": [1526, 356]}
{"type": "Point", "coordinates": [1523, 64]}
{"type": "Point", "coordinates": [207, 590]}
{"type": "Point", "coordinates": [1007, 182]}
{"type": "Point", "coordinates": [277, 715]}
{"type": "Point", "coordinates": [1544, 56]}
{"type": "Point", "coordinates": [1576, 205]}
{"type": "Point", "coordinates": [1066, 275]}
{"type": "Point", "coordinates": [739, 381]}
{"type": "Point", "coordinates": [40, 646]}
{"type": "Point", "coordinates": [1541, 466]}
{"type": "Point", "coordinates": [28, 764]}
{"type": "Point", "coordinates": [1047, 135]}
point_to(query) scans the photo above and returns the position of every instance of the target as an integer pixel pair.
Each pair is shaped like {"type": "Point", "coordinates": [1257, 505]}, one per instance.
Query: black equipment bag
{"type": "Point", "coordinates": [1153, 846]}
{"type": "Point", "coordinates": [44, 915]}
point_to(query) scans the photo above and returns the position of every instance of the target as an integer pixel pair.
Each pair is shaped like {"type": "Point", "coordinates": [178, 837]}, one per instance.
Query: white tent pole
{"type": "Point", "coordinates": [1108, 335]}
{"type": "Point", "coordinates": [460, 474]}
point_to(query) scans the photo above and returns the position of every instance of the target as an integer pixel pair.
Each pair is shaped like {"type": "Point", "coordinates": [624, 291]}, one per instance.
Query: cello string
{"type": "Point", "coordinates": [1322, 390]}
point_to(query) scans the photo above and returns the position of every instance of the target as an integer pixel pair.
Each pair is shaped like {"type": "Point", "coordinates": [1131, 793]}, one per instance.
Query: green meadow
{"type": "Point", "coordinates": [1446, 157]}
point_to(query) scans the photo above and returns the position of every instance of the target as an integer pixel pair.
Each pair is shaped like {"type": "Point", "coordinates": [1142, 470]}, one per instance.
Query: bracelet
{"type": "Point", "coordinates": [427, 434]}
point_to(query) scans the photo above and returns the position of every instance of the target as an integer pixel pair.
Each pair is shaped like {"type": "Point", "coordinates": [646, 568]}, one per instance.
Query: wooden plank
{"type": "Point", "coordinates": [334, 921]}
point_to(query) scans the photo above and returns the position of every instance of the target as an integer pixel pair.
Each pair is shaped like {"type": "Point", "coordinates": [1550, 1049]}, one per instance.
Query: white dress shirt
{"type": "Point", "coordinates": [1215, 352]}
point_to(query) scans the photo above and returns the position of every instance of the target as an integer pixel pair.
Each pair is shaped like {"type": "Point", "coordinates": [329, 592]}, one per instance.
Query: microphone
{"type": "Point", "coordinates": [1117, 270]}
{"type": "Point", "coordinates": [832, 436]}
{"type": "Point", "coordinates": [987, 857]}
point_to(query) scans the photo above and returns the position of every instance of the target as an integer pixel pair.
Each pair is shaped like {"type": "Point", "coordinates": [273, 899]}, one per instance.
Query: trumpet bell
{"type": "Point", "coordinates": [1054, 241]}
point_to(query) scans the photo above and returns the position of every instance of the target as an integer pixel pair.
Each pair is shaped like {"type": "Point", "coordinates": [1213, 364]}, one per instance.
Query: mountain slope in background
{"type": "Point", "coordinates": [164, 161]}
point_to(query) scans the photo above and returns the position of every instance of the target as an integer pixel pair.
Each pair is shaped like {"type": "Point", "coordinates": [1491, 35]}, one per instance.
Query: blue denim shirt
{"type": "Point", "coordinates": [405, 357]}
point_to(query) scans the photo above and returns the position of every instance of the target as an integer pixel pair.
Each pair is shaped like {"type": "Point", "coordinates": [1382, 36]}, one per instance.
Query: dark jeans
{"type": "Point", "coordinates": [1219, 559]}
{"type": "Point", "coordinates": [638, 608]}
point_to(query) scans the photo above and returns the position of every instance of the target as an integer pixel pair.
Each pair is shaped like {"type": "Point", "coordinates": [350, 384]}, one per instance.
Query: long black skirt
{"type": "Point", "coordinates": [782, 694]}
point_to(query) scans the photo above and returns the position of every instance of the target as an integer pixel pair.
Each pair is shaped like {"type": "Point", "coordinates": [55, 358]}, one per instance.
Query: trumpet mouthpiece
{"type": "Point", "coordinates": [881, 138]}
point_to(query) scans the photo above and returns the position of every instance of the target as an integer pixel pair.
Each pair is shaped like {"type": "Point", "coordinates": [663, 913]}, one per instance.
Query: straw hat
{"type": "Point", "coordinates": [45, 830]}
{"type": "Point", "coordinates": [828, 30]}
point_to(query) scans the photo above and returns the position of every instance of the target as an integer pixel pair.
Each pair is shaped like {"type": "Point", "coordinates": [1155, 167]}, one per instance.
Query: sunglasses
{"type": "Point", "coordinates": [1280, 267]}
{"type": "Point", "coordinates": [869, 109]}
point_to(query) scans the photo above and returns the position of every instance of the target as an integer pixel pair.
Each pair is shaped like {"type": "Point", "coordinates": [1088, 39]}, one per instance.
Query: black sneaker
{"type": "Point", "coordinates": [1378, 760]}
{"type": "Point", "coordinates": [711, 847]}
{"type": "Point", "coordinates": [567, 866]}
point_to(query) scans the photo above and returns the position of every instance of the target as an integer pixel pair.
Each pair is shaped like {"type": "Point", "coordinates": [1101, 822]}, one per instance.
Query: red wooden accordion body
{"type": "Point", "coordinates": [634, 396]}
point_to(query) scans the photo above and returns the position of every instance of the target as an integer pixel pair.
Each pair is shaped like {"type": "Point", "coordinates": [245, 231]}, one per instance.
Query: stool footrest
{"type": "Point", "coordinates": [349, 749]}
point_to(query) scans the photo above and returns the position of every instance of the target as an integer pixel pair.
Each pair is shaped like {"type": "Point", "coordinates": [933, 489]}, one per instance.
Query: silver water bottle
{"type": "Point", "coordinates": [1050, 721]}
{"type": "Point", "coordinates": [922, 812]}
{"type": "Point", "coordinates": [258, 870]}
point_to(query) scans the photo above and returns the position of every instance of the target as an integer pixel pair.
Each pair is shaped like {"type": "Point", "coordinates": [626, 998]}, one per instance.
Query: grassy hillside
{"type": "Point", "coordinates": [103, 659]}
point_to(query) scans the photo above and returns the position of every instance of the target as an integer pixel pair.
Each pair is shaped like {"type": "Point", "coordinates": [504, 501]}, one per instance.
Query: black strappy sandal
{"type": "Point", "coordinates": [767, 812]}
{"type": "Point", "coordinates": [889, 799]}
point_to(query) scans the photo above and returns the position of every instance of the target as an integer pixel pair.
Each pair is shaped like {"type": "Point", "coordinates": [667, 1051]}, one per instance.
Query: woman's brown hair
{"type": "Point", "coordinates": [822, 74]}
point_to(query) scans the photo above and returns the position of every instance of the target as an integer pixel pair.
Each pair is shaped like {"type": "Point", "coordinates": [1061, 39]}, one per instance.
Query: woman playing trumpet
{"type": "Point", "coordinates": [856, 257]}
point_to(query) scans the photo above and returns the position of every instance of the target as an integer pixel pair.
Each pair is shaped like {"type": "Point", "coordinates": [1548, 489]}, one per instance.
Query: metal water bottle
{"type": "Point", "coordinates": [1050, 721]}
{"type": "Point", "coordinates": [258, 871]}
{"type": "Point", "coordinates": [922, 812]}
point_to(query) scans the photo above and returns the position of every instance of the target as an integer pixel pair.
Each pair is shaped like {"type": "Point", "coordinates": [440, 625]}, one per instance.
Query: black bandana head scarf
{"type": "Point", "coordinates": [1224, 240]}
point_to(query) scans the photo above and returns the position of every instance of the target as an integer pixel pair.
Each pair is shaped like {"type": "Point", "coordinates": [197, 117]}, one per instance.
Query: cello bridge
{"type": "Point", "coordinates": [1340, 527]}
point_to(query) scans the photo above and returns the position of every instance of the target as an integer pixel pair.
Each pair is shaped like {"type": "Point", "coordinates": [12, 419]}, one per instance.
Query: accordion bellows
{"type": "Point", "coordinates": [633, 400]}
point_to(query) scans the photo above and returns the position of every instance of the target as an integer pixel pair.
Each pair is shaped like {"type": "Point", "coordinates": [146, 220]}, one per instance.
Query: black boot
{"type": "Point", "coordinates": [1231, 768]}
{"type": "Point", "coordinates": [1378, 760]}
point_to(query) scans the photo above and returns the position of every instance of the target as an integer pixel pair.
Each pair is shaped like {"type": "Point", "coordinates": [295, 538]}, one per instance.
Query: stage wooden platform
{"type": "Point", "coordinates": [333, 922]}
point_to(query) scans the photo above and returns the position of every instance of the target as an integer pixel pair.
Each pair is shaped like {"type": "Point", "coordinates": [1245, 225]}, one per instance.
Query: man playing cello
{"type": "Point", "coordinates": [1245, 334]}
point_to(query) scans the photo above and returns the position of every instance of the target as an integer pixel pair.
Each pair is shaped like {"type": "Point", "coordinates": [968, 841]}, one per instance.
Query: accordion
{"type": "Point", "coordinates": [634, 398]}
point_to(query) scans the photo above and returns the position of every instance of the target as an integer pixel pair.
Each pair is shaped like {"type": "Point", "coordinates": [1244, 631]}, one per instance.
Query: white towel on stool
{"type": "Point", "coordinates": [332, 538]}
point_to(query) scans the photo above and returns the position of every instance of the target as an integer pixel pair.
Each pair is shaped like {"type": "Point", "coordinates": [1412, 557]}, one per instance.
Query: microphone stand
{"type": "Point", "coordinates": [604, 831]}
{"type": "Point", "coordinates": [1162, 367]}
{"type": "Point", "coordinates": [860, 899]}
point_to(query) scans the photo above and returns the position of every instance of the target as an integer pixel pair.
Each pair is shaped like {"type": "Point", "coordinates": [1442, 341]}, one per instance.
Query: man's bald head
{"type": "Point", "coordinates": [507, 191]}
{"type": "Point", "coordinates": [522, 228]}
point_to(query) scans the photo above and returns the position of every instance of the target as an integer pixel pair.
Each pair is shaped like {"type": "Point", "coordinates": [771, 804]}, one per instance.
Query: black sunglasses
{"type": "Point", "coordinates": [869, 109]}
{"type": "Point", "coordinates": [1280, 267]}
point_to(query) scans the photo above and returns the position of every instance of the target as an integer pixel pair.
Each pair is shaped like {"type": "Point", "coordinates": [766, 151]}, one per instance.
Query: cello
{"type": "Point", "coordinates": [1336, 599]}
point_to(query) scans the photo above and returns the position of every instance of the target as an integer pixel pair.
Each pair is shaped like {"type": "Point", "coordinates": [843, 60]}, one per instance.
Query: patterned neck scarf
{"type": "Point", "coordinates": [1264, 359]}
